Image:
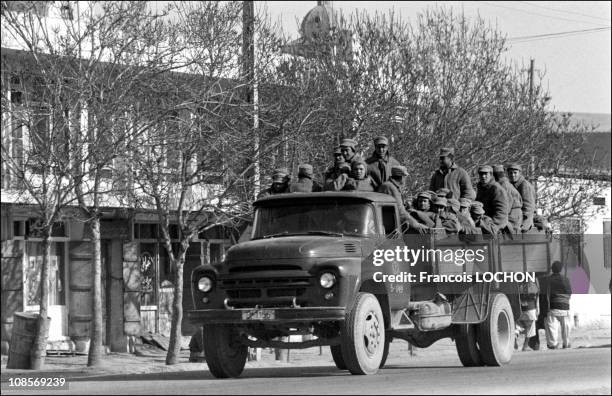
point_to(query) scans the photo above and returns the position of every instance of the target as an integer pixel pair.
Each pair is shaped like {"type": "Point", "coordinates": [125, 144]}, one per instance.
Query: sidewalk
{"type": "Point", "coordinates": [152, 360]}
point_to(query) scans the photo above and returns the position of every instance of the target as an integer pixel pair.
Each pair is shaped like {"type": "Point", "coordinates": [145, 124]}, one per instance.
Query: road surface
{"type": "Point", "coordinates": [575, 371]}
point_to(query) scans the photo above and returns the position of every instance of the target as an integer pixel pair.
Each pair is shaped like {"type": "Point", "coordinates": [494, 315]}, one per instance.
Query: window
{"type": "Point", "coordinates": [388, 218]}
{"type": "Point", "coordinates": [599, 201]}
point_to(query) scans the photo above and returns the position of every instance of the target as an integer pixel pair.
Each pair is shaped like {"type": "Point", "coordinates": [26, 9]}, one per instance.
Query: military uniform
{"type": "Point", "coordinates": [529, 198]}
{"type": "Point", "coordinates": [379, 168]}
{"type": "Point", "coordinates": [455, 179]}
{"type": "Point", "coordinates": [336, 180]}
{"type": "Point", "coordinates": [279, 176]}
{"type": "Point", "coordinates": [493, 198]}
{"type": "Point", "coordinates": [513, 197]}
{"type": "Point", "coordinates": [305, 183]}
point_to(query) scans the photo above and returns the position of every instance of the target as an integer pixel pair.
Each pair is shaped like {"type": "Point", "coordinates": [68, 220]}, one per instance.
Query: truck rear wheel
{"type": "Point", "coordinates": [467, 348]}
{"type": "Point", "coordinates": [225, 355]}
{"type": "Point", "coordinates": [496, 333]}
{"type": "Point", "coordinates": [336, 353]}
{"type": "Point", "coordinates": [363, 336]}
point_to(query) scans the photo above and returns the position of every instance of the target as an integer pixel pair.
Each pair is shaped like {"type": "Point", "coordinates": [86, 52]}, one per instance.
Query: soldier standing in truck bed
{"type": "Point", "coordinates": [360, 181]}
{"type": "Point", "coordinates": [381, 162]}
{"type": "Point", "coordinates": [280, 184]}
{"type": "Point", "coordinates": [349, 152]}
{"type": "Point", "coordinates": [515, 174]}
{"type": "Point", "coordinates": [492, 196]}
{"type": "Point", "coordinates": [451, 176]}
{"type": "Point", "coordinates": [305, 182]}
{"type": "Point", "coordinates": [514, 199]}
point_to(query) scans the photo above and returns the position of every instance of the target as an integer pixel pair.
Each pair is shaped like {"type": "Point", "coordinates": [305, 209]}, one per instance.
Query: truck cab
{"type": "Point", "coordinates": [310, 269]}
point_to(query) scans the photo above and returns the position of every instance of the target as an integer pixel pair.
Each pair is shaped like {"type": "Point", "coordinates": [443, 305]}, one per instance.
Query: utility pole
{"type": "Point", "coordinates": [251, 91]}
{"type": "Point", "coordinates": [531, 63]}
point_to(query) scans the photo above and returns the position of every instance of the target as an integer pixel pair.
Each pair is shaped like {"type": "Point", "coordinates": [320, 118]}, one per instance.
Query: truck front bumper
{"type": "Point", "coordinates": [266, 315]}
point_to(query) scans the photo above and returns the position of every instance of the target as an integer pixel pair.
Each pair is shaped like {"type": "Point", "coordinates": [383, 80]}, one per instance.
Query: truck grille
{"type": "Point", "coordinates": [263, 288]}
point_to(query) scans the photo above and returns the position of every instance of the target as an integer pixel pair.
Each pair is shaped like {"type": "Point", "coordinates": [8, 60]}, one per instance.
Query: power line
{"type": "Point", "coordinates": [566, 12]}
{"type": "Point", "coordinates": [538, 14]}
{"type": "Point", "coordinates": [557, 34]}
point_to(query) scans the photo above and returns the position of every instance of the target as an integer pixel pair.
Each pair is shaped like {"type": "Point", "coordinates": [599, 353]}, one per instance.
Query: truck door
{"type": "Point", "coordinates": [398, 292]}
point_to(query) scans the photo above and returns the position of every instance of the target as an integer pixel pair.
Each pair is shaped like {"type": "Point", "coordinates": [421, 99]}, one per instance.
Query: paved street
{"type": "Point", "coordinates": [576, 371]}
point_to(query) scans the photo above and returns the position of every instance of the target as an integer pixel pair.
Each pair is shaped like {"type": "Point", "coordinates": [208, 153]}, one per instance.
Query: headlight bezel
{"type": "Point", "coordinates": [330, 279]}
{"type": "Point", "coordinates": [210, 284]}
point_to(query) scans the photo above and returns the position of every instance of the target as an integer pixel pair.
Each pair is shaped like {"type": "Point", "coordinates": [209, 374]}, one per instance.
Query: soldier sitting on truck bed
{"type": "Point", "coordinates": [483, 223]}
{"type": "Point", "coordinates": [423, 209]}
{"type": "Point", "coordinates": [359, 181]}
{"type": "Point", "coordinates": [280, 184]}
{"type": "Point", "coordinates": [463, 216]}
{"type": "Point", "coordinates": [443, 218]}
{"type": "Point", "coordinates": [305, 182]}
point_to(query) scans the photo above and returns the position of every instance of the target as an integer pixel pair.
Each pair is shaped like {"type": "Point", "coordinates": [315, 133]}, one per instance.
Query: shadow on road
{"type": "Point", "coordinates": [268, 372]}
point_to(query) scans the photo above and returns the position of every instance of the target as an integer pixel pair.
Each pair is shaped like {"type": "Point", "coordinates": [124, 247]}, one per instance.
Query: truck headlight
{"type": "Point", "coordinates": [205, 284]}
{"type": "Point", "coordinates": [327, 280]}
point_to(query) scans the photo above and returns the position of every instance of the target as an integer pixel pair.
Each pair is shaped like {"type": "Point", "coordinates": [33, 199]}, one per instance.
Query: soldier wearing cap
{"type": "Point", "coordinates": [483, 223]}
{"type": "Point", "coordinates": [451, 176]}
{"type": "Point", "coordinates": [513, 198]}
{"type": "Point", "coordinates": [349, 151]}
{"type": "Point", "coordinates": [337, 180]}
{"type": "Point", "coordinates": [333, 170]}
{"type": "Point", "coordinates": [492, 196]}
{"type": "Point", "coordinates": [443, 218]}
{"type": "Point", "coordinates": [423, 212]}
{"type": "Point", "coordinates": [360, 181]}
{"type": "Point", "coordinates": [280, 183]}
{"type": "Point", "coordinates": [527, 194]}
{"type": "Point", "coordinates": [305, 182]}
{"type": "Point", "coordinates": [463, 215]}
{"type": "Point", "coordinates": [381, 162]}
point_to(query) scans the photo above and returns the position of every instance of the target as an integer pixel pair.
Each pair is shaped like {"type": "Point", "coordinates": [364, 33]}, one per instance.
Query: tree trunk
{"type": "Point", "coordinates": [38, 352]}
{"type": "Point", "coordinates": [174, 346]}
{"type": "Point", "coordinates": [95, 345]}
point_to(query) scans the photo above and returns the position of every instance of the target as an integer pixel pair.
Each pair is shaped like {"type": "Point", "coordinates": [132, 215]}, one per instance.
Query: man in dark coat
{"type": "Point", "coordinates": [559, 291]}
{"type": "Point", "coordinates": [451, 176]}
{"type": "Point", "coordinates": [443, 218]}
{"type": "Point", "coordinates": [492, 196]}
{"type": "Point", "coordinates": [337, 180]}
{"type": "Point", "coordinates": [393, 187]}
{"type": "Point", "coordinates": [380, 162]}
{"type": "Point", "coordinates": [360, 181]}
{"type": "Point", "coordinates": [280, 184]}
{"type": "Point", "coordinates": [483, 223]}
{"type": "Point", "coordinates": [305, 182]}
{"type": "Point", "coordinates": [422, 213]}
{"type": "Point", "coordinates": [514, 199]}
{"type": "Point", "coordinates": [349, 151]}
{"type": "Point", "coordinates": [515, 174]}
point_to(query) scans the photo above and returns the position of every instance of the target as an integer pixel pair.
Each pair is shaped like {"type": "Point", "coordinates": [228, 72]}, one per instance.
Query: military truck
{"type": "Point", "coordinates": [311, 269]}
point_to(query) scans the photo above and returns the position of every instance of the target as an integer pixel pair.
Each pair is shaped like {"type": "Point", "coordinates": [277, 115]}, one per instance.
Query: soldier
{"type": "Point", "coordinates": [337, 180]}
{"type": "Point", "coordinates": [360, 181]}
{"type": "Point", "coordinates": [333, 170]}
{"type": "Point", "coordinates": [280, 184]}
{"type": "Point", "coordinates": [393, 187]}
{"type": "Point", "coordinates": [527, 194]}
{"type": "Point", "coordinates": [305, 183]}
{"type": "Point", "coordinates": [443, 218]}
{"type": "Point", "coordinates": [484, 224]}
{"type": "Point", "coordinates": [451, 176]}
{"type": "Point", "coordinates": [381, 162]}
{"type": "Point", "coordinates": [514, 199]}
{"type": "Point", "coordinates": [422, 213]}
{"type": "Point", "coordinates": [463, 216]}
{"type": "Point", "coordinates": [347, 147]}
{"type": "Point", "coordinates": [492, 196]}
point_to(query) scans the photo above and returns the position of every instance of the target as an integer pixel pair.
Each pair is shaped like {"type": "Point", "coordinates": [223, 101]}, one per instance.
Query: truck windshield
{"type": "Point", "coordinates": [315, 219]}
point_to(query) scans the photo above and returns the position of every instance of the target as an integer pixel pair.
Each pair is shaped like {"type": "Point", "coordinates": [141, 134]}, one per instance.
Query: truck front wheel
{"type": "Point", "coordinates": [225, 355]}
{"type": "Point", "coordinates": [363, 336]}
{"type": "Point", "coordinates": [496, 333]}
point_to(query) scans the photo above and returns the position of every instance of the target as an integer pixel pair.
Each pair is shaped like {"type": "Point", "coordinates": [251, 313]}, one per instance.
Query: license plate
{"type": "Point", "coordinates": [258, 314]}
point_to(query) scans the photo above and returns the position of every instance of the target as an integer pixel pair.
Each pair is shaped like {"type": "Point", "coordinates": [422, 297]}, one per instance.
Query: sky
{"type": "Point", "coordinates": [577, 65]}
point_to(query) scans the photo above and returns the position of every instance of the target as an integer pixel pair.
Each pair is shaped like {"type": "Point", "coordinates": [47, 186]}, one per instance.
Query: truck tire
{"type": "Point", "coordinates": [336, 353]}
{"type": "Point", "coordinates": [385, 354]}
{"type": "Point", "coordinates": [496, 333]}
{"type": "Point", "coordinates": [467, 348]}
{"type": "Point", "coordinates": [363, 336]}
{"type": "Point", "coordinates": [225, 355]}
